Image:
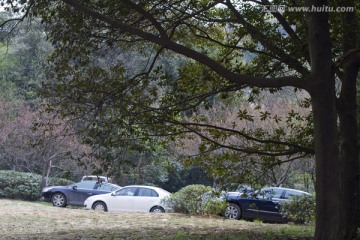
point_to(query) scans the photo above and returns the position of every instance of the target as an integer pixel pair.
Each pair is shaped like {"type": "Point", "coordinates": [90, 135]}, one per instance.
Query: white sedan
{"type": "Point", "coordinates": [135, 198]}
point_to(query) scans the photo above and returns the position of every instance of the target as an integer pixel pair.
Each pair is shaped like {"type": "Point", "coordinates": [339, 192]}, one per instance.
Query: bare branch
{"type": "Point", "coordinates": [299, 148]}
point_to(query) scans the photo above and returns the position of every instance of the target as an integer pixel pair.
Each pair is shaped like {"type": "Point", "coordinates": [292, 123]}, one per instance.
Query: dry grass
{"type": "Point", "coordinates": [29, 220]}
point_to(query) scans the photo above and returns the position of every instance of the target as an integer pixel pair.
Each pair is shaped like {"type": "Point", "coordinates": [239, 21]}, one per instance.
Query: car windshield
{"type": "Point", "coordinates": [84, 185]}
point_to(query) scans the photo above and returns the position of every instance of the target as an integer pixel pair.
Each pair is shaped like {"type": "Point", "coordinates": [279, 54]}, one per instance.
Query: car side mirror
{"type": "Point", "coordinates": [113, 194]}
{"type": "Point", "coordinates": [74, 187]}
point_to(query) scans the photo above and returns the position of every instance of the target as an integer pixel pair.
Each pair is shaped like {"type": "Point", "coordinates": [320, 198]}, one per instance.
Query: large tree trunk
{"type": "Point", "coordinates": [325, 124]}
{"type": "Point", "coordinates": [349, 154]}
{"type": "Point", "coordinates": [327, 165]}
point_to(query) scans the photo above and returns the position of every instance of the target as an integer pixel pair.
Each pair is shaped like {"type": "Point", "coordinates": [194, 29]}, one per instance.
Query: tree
{"type": "Point", "coordinates": [290, 49]}
{"type": "Point", "coordinates": [24, 58]}
{"type": "Point", "coordinates": [47, 149]}
{"type": "Point", "coordinates": [265, 118]}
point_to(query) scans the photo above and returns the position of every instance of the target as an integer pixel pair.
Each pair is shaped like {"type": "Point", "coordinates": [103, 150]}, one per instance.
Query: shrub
{"type": "Point", "coordinates": [22, 186]}
{"type": "Point", "coordinates": [18, 185]}
{"type": "Point", "coordinates": [195, 199]}
{"type": "Point", "coordinates": [299, 209]}
{"type": "Point", "coordinates": [60, 182]}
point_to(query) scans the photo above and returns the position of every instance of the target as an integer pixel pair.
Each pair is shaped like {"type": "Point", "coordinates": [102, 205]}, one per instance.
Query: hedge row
{"type": "Point", "coordinates": [23, 186]}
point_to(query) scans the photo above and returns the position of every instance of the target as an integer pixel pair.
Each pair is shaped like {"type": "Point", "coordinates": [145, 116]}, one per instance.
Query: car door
{"type": "Point", "coordinates": [145, 199]}
{"type": "Point", "coordinates": [268, 204]}
{"type": "Point", "coordinates": [80, 191]}
{"type": "Point", "coordinates": [265, 206]}
{"type": "Point", "coordinates": [272, 197]}
{"type": "Point", "coordinates": [122, 200]}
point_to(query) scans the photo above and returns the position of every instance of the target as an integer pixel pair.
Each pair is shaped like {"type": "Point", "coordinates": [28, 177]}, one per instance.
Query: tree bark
{"type": "Point", "coordinates": [325, 126]}
{"type": "Point", "coordinates": [349, 153]}
{"type": "Point", "coordinates": [327, 165]}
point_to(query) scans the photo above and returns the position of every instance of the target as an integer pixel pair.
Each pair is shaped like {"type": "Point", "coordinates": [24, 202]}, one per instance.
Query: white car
{"type": "Point", "coordinates": [134, 198]}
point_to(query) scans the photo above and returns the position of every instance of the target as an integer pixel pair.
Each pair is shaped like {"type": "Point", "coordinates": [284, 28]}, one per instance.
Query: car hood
{"type": "Point", "coordinates": [102, 196]}
{"type": "Point", "coordinates": [46, 189]}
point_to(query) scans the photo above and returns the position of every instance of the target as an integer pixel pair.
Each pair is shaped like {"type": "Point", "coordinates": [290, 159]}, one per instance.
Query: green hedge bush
{"type": "Point", "coordinates": [60, 182]}
{"type": "Point", "coordinates": [195, 199]}
{"type": "Point", "coordinates": [23, 186]}
{"type": "Point", "coordinates": [299, 209]}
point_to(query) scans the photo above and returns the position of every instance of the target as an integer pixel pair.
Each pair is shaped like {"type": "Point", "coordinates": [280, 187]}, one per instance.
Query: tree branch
{"type": "Point", "coordinates": [178, 48]}
{"type": "Point", "coordinates": [293, 63]}
{"type": "Point", "coordinates": [188, 126]}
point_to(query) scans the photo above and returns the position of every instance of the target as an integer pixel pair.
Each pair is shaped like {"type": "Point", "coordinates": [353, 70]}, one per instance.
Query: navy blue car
{"type": "Point", "coordinates": [75, 194]}
{"type": "Point", "coordinates": [263, 205]}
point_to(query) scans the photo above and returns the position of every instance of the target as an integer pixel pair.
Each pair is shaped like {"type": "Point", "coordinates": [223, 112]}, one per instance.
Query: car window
{"type": "Point", "coordinates": [130, 191]}
{"type": "Point", "coordinates": [105, 187]}
{"type": "Point", "coordinates": [290, 193]}
{"type": "Point", "coordinates": [85, 185]}
{"type": "Point", "coordinates": [147, 192]}
{"type": "Point", "coordinates": [272, 193]}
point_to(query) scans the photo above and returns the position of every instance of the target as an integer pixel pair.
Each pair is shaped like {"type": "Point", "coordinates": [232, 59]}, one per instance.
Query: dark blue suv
{"type": "Point", "coordinates": [263, 205]}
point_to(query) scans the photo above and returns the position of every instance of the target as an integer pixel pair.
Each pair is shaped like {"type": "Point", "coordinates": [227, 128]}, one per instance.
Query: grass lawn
{"type": "Point", "coordinates": [36, 220]}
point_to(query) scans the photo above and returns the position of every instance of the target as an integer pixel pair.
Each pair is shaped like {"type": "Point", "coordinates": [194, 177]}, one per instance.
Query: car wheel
{"type": "Point", "coordinates": [58, 200]}
{"type": "Point", "coordinates": [232, 211]}
{"type": "Point", "coordinates": [100, 206]}
{"type": "Point", "coordinates": [157, 210]}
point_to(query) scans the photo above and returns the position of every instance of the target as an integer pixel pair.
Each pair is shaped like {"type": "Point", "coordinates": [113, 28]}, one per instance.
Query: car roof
{"type": "Point", "coordinates": [287, 189]}
{"type": "Point", "coordinates": [87, 177]}
{"type": "Point", "coordinates": [92, 181]}
{"type": "Point", "coordinates": [145, 186]}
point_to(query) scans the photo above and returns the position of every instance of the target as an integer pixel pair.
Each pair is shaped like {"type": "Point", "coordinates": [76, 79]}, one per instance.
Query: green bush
{"type": "Point", "coordinates": [18, 185]}
{"type": "Point", "coordinates": [195, 199]}
{"type": "Point", "coordinates": [299, 209]}
{"type": "Point", "coordinates": [60, 182]}
{"type": "Point", "coordinates": [22, 186]}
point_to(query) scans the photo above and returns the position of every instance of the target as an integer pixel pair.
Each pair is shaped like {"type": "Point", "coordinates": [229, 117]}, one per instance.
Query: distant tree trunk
{"type": "Point", "coordinates": [45, 173]}
{"type": "Point", "coordinates": [47, 168]}
{"type": "Point", "coordinates": [138, 179]}
{"type": "Point", "coordinates": [325, 126]}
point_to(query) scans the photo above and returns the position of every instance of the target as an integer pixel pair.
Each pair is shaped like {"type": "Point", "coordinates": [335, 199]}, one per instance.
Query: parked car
{"type": "Point", "coordinates": [96, 178]}
{"type": "Point", "coordinates": [263, 205]}
{"type": "Point", "coordinates": [75, 194]}
{"type": "Point", "coordinates": [135, 198]}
